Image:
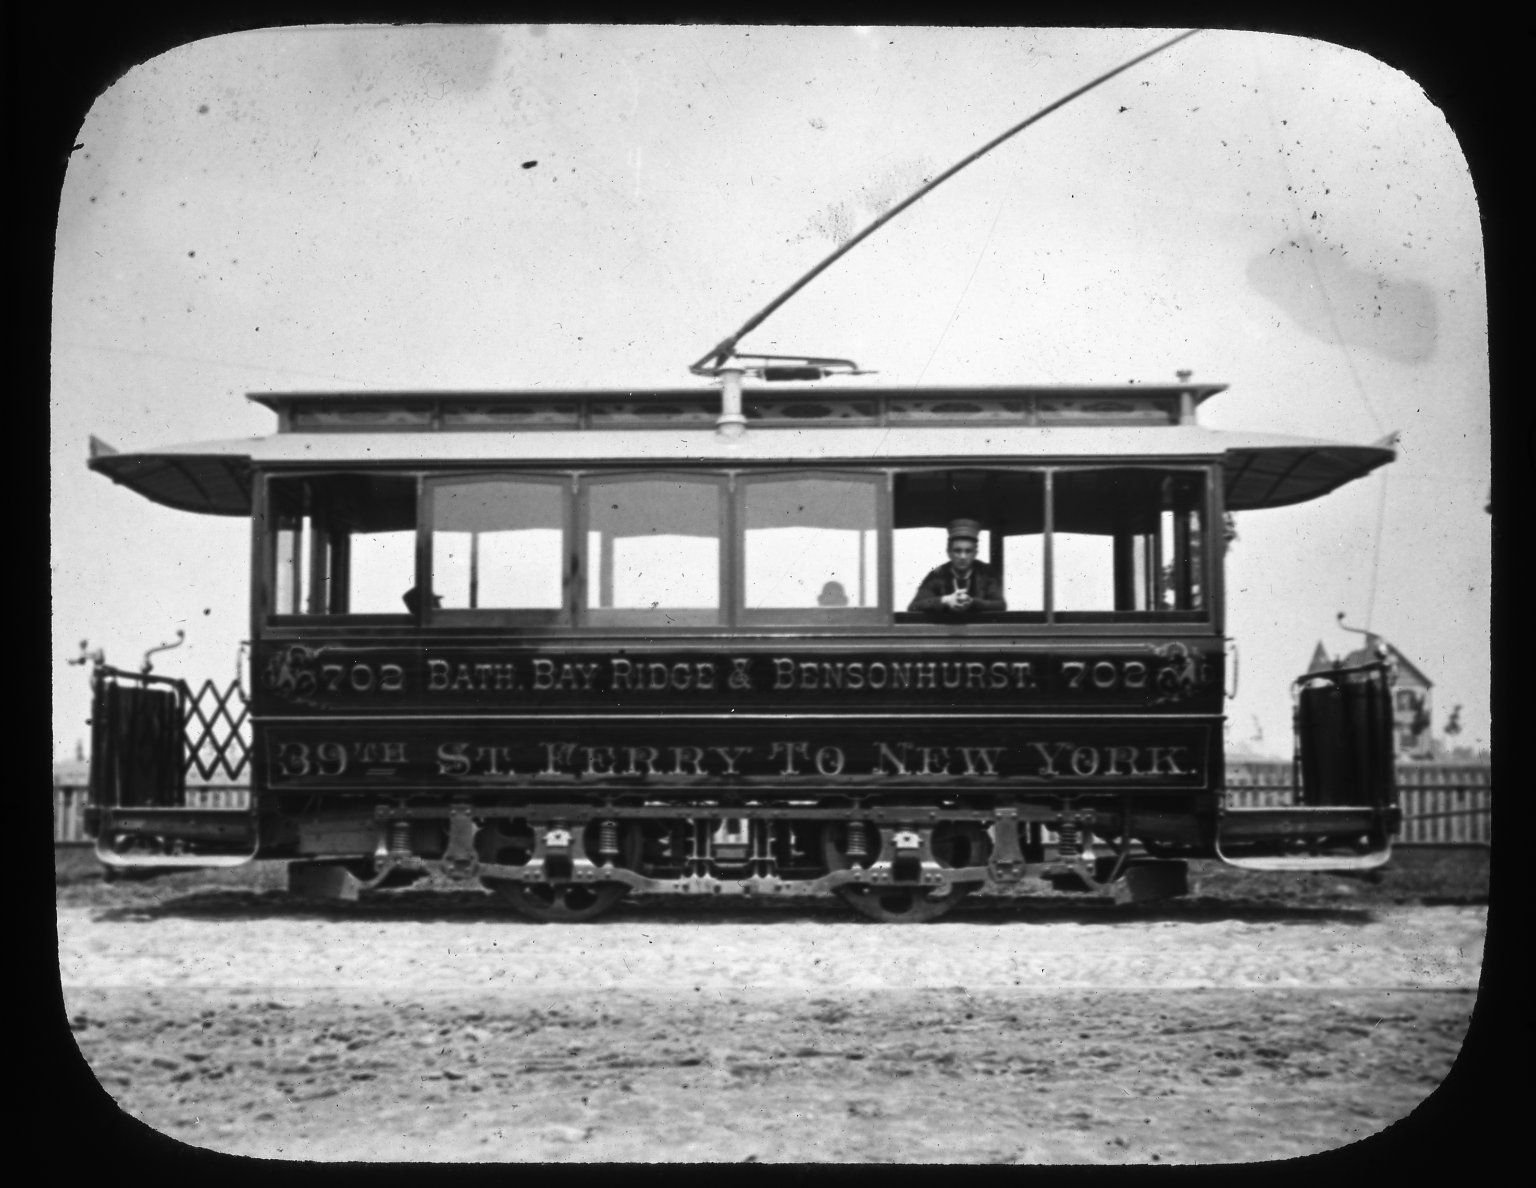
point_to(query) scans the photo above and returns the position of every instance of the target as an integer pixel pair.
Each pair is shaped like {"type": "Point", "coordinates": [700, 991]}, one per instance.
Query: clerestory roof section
{"type": "Point", "coordinates": [916, 426]}
{"type": "Point", "coordinates": [666, 408]}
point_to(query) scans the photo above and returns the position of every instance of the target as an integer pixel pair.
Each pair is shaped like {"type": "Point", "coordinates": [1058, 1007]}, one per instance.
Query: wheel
{"type": "Point", "coordinates": [561, 902]}
{"type": "Point", "coordinates": [955, 844]}
{"type": "Point", "coordinates": [962, 843]}
{"type": "Point", "coordinates": [903, 905]}
{"type": "Point", "coordinates": [512, 843]}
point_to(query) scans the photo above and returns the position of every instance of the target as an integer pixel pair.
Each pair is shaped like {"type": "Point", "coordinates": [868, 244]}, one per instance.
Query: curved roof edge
{"type": "Point", "coordinates": [216, 482]}
{"type": "Point", "coordinates": [1262, 470]}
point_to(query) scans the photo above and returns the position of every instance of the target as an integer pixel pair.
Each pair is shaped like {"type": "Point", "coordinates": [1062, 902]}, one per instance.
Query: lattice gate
{"type": "Point", "coordinates": [216, 731]}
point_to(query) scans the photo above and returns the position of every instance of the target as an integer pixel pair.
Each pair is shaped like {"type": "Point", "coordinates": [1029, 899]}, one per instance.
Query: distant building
{"type": "Point", "coordinates": [1411, 698]}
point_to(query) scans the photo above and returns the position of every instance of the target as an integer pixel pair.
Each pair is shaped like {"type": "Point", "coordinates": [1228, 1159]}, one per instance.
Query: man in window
{"type": "Point", "coordinates": [963, 585]}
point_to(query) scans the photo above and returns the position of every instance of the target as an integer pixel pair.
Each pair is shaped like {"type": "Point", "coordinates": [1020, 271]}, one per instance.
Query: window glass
{"type": "Point", "coordinates": [811, 542]}
{"type": "Point", "coordinates": [497, 544]}
{"type": "Point", "coordinates": [653, 545]}
{"type": "Point", "coordinates": [342, 544]}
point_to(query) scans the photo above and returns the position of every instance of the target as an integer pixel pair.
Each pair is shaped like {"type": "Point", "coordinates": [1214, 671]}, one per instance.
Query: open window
{"type": "Point", "coordinates": [810, 548]}
{"type": "Point", "coordinates": [498, 548]}
{"type": "Point", "coordinates": [1078, 544]}
{"type": "Point", "coordinates": [654, 549]}
{"type": "Point", "coordinates": [341, 544]}
{"type": "Point", "coordinates": [1127, 544]}
{"type": "Point", "coordinates": [1009, 504]}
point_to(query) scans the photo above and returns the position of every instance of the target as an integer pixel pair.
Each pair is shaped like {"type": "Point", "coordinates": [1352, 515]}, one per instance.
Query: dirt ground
{"type": "Point", "coordinates": [1261, 1017]}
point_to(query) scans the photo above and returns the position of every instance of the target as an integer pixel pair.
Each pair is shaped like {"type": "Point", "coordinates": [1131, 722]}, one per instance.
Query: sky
{"type": "Point", "coordinates": [477, 207]}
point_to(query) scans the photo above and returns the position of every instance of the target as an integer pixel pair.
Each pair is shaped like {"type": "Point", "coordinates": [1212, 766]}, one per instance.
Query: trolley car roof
{"type": "Point", "coordinates": [1262, 470]}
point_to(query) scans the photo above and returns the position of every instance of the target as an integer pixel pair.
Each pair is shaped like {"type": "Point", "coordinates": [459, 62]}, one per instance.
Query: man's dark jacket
{"type": "Point", "coordinates": [986, 589]}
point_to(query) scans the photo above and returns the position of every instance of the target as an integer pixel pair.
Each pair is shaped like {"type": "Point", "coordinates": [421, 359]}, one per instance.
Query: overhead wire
{"type": "Point", "coordinates": [727, 346]}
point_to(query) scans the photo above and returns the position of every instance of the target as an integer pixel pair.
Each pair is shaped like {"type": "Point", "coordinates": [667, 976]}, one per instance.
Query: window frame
{"type": "Point", "coordinates": [1051, 620]}
{"type": "Point", "coordinates": [1056, 616]}
{"type": "Point", "coordinates": [574, 615]}
{"type": "Point", "coordinates": [433, 616]}
{"type": "Point", "coordinates": [994, 541]}
{"type": "Point", "coordinates": [267, 562]}
{"type": "Point", "coordinates": [721, 616]}
{"type": "Point", "coordinates": [813, 616]}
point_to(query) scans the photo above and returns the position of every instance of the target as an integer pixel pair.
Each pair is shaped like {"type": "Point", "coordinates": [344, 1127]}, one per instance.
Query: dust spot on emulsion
{"type": "Point", "coordinates": [1322, 289]}
{"type": "Point", "coordinates": [841, 219]}
{"type": "Point", "coordinates": [837, 222]}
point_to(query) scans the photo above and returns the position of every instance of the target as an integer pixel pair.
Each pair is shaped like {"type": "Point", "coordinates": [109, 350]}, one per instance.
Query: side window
{"type": "Point", "coordinates": [810, 547]}
{"type": "Point", "coordinates": [1008, 506]}
{"type": "Point", "coordinates": [498, 543]}
{"type": "Point", "coordinates": [1128, 543]}
{"type": "Point", "coordinates": [342, 544]}
{"type": "Point", "coordinates": [654, 549]}
{"type": "Point", "coordinates": [1089, 523]}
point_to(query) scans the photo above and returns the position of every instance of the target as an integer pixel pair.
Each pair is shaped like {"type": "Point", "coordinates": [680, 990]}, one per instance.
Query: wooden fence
{"type": "Point", "coordinates": [1447, 804]}
{"type": "Point", "coordinates": [1444, 804]}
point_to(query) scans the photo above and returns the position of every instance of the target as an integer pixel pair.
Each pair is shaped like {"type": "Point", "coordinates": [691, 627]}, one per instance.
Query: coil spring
{"type": "Point", "coordinates": [1068, 840]}
{"type": "Point", "coordinates": [608, 839]}
{"type": "Point", "coordinates": [858, 840]}
{"type": "Point", "coordinates": [400, 839]}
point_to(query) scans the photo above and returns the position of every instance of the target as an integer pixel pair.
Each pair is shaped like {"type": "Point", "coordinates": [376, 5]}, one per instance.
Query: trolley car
{"type": "Point", "coordinates": [577, 644]}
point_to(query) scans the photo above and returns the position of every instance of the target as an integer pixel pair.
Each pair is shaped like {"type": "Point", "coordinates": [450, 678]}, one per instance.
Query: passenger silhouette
{"type": "Point", "coordinates": [832, 594]}
{"type": "Point", "coordinates": [412, 600]}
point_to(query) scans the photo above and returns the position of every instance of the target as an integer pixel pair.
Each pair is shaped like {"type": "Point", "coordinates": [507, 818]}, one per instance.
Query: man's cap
{"type": "Point", "coordinates": [965, 530]}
